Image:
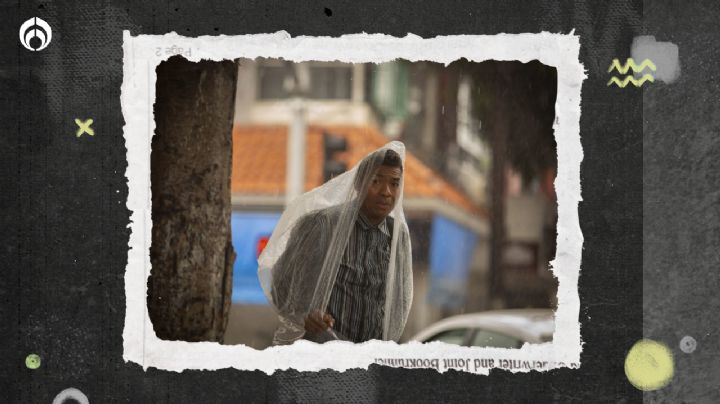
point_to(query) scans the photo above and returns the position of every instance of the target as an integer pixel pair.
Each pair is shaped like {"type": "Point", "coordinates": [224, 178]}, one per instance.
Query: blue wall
{"type": "Point", "coordinates": [451, 251]}
{"type": "Point", "coordinates": [247, 229]}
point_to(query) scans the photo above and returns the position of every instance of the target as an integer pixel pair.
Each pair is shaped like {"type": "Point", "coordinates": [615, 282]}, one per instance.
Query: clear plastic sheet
{"type": "Point", "coordinates": [299, 266]}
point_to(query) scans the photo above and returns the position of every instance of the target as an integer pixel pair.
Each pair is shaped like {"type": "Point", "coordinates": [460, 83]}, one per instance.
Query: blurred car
{"type": "Point", "coordinates": [498, 329]}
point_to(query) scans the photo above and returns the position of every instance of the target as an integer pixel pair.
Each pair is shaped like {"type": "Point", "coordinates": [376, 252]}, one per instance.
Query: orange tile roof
{"type": "Point", "coordinates": [259, 162]}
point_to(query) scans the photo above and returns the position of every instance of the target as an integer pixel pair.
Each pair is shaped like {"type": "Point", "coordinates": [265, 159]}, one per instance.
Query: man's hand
{"type": "Point", "coordinates": [317, 322]}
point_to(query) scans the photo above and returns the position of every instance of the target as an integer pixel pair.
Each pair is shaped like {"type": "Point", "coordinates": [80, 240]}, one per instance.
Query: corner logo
{"type": "Point", "coordinates": [35, 34]}
{"type": "Point", "coordinates": [630, 64]}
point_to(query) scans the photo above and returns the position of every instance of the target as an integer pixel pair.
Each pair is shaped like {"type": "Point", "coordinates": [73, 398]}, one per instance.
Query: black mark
{"type": "Point", "coordinates": [35, 42]}
{"type": "Point", "coordinates": [328, 12]}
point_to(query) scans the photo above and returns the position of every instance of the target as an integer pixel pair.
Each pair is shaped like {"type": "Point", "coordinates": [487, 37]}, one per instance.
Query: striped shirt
{"type": "Point", "coordinates": [357, 302]}
{"type": "Point", "coordinates": [357, 299]}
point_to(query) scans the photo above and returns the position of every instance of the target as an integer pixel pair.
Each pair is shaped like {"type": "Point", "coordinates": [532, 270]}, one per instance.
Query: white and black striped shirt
{"type": "Point", "coordinates": [357, 300]}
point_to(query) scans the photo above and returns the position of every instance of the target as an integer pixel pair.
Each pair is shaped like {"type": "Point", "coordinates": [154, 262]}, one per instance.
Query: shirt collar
{"type": "Point", "coordinates": [365, 223]}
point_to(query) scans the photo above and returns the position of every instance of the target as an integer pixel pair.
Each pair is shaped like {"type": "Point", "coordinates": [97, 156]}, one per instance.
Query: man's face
{"type": "Point", "coordinates": [382, 193]}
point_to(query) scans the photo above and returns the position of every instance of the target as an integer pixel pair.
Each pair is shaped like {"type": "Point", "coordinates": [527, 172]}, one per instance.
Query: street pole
{"type": "Point", "coordinates": [501, 128]}
{"type": "Point", "coordinates": [295, 171]}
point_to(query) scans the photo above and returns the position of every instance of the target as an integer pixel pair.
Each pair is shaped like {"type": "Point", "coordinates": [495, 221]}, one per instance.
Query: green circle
{"type": "Point", "coordinates": [32, 361]}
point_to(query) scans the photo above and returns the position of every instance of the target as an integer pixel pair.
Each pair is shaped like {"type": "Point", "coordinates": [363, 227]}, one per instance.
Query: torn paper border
{"type": "Point", "coordinates": [143, 53]}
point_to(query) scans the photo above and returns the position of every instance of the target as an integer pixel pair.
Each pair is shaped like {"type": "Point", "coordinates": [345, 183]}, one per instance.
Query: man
{"type": "Point", "coordinates": [335, 278]}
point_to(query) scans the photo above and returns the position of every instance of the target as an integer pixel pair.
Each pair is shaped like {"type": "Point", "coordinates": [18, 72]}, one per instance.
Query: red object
{"type": "Point", "coordinates": [548, 183]}
{"type": "Point", "coordinates": [262, 242]}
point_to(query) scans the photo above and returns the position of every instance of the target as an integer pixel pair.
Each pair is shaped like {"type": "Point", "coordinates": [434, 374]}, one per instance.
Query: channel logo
{"type": "Point", "coordinates": [35, 34]}
{"type": "Point", "coordinates": [630, 64]}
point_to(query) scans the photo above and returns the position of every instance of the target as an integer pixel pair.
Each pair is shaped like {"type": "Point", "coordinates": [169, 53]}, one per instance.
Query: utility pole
{"type": "Point", "coordinates": [500, 132]}
{"type": "Point", "coordinates": [297, 135]}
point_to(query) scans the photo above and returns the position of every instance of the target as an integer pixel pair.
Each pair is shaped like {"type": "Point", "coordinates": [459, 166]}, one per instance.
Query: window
{"type": "Point", "coordinates": [330, 83]}
{"type": "Point", "coordinates": [272, 82]}
{"type": "Point", "coordinates": [490, 339]}
{"type": "Point", "coordinates": [456, 336]}
{"type": "Point", "coordinates": [326, 82]}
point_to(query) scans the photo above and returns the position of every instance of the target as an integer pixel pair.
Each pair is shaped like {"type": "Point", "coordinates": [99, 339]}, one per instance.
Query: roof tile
{"type": "Point", "coordinates": [260, 151]}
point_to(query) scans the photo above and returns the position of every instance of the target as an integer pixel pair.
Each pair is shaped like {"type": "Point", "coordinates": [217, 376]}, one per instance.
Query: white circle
{"type": "Point", "coordinates": [35, 28]}
{"type": "Point", "coordinates": [71, 393]}
{"type": "Point", "coordinates": [688, 344]}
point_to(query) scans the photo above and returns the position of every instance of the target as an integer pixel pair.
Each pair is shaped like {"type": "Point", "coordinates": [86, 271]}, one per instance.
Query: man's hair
{"type": "Point", "coordinates": [390, 159]}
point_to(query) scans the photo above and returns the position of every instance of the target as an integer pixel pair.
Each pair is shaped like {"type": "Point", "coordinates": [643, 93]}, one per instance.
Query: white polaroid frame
{"type": "Point", "coordinates": [143, 53]}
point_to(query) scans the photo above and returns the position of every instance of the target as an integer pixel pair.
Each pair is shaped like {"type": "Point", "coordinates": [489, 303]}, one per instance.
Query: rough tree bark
{"type": "Point", "coordinates": [191, 253]}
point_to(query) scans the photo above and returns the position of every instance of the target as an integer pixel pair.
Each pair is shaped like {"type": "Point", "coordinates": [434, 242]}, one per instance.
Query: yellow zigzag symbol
{"type": "Point", "coordinates": [630, 79]}
{"type": "Point", "coordinates": [631, 64]}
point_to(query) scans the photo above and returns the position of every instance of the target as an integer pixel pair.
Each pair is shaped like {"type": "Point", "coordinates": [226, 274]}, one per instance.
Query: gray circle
{"type": "Point", "coordinates": [688, 344]}
{"type": "Point", "coordinates": [71, 393]}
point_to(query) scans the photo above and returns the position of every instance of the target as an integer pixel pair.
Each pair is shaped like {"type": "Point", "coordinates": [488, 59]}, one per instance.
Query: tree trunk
{"type": "Point", "coordinates": [191, 253]}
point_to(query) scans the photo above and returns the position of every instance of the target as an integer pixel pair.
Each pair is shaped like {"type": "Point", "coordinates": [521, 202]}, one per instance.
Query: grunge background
{"type": "Point", "coordinates": [649, 213]}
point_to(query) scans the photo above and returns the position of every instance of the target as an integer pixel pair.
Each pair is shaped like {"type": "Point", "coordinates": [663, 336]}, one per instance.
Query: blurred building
{"type": "Point", "coordinates": [425, 105]}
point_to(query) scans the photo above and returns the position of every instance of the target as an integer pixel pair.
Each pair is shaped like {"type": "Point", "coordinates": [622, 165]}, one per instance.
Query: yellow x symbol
{"type": "Point", "coordinates": [84, 127]}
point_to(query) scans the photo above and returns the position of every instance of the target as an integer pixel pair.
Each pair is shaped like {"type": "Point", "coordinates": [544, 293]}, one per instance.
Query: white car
{"type": "Point", "coordinates": [499, 328]}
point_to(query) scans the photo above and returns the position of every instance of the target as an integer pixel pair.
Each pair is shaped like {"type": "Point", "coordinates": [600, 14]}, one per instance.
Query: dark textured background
{"type": "Point", "coordinates": [65, 224]}
{"type": "Point", "coordinates": [681, 201]}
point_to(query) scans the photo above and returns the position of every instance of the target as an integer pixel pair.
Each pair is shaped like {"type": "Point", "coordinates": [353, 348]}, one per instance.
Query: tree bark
{"type": "Point", "coordinates": [191, 253]}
